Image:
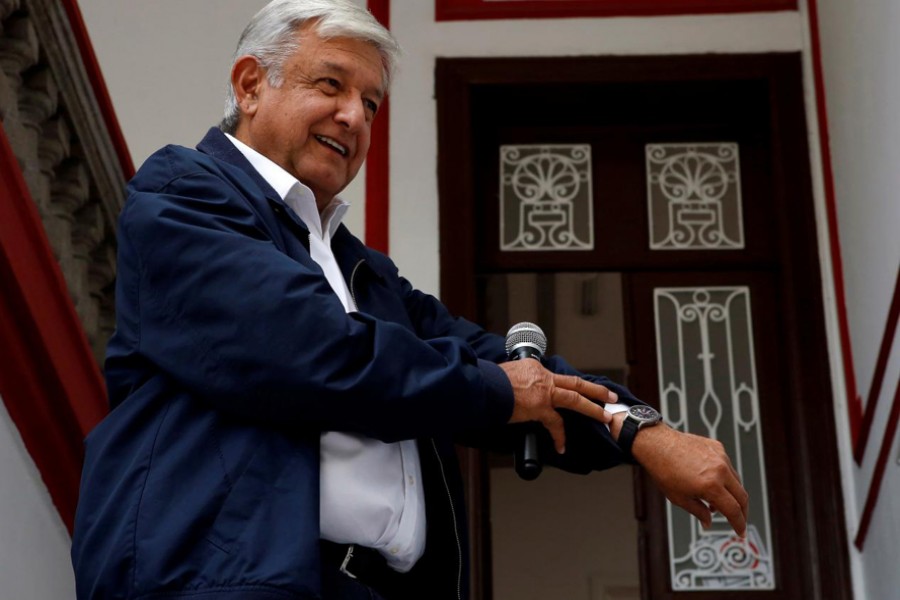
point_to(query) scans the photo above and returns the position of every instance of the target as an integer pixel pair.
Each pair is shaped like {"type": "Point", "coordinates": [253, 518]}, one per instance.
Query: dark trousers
{"type": "Point", "coordinates": [337, 586]}
{"type": "Point", "coordinates": [373, 580]}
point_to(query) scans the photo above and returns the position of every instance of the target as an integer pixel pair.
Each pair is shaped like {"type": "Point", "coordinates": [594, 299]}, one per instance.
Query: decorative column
{"type": "Point", "coordinates": [52, 119]}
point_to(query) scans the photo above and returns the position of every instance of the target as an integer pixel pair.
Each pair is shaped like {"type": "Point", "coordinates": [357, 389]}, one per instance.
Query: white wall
{"type": "Point", "coordinates": [860, 49]}
{"type": "Point", "coordinates": [34, 543]}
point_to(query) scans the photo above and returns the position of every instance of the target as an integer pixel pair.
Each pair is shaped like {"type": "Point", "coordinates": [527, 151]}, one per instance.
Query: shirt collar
{"type": "Point", "coordinates": [296, 195]}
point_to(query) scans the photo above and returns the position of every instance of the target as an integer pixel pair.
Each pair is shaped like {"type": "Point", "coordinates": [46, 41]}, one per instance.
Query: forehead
{"type": "Point", "coordinates": [348, 57]}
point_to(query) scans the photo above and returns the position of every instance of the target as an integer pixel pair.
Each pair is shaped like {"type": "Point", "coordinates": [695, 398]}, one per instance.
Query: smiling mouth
{"type": "Point", "coordinates": [342, 150]}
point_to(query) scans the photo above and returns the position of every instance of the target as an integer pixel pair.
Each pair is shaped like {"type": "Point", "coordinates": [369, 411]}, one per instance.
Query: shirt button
{"type": "Point", "coordinates": [412, 480]}
{"type": "Point", "coordinates": [395, 550]}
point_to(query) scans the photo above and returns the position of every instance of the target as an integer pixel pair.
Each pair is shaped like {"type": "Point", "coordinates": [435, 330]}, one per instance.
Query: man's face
{"type": "Point", "coordinates": [317, 125]}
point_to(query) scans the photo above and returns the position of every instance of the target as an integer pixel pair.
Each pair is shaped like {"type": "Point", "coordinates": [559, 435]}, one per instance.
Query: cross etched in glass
{"type": "Point", "coordinates": [708, 386]}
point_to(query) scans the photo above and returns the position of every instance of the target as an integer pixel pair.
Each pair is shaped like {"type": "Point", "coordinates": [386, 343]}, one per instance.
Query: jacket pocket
{"type": "Point", "coordinates": [280, 483]}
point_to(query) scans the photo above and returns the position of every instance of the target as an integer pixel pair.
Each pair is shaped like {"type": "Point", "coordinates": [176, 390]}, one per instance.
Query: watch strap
{"type": "Point", "coordinates": [626, 436]}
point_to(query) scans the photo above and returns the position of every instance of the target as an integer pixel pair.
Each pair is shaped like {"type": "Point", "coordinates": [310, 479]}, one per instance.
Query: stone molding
{"type": "Point", "coordinates": [54, 123]}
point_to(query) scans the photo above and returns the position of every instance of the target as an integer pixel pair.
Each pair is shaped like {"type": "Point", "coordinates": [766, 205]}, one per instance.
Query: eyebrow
{"type": "Point", "coordinates": [342, 70]}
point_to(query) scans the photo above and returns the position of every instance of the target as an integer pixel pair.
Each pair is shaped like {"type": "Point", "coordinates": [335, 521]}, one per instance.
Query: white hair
{"type": "Point", "coordinates": [270, 37]}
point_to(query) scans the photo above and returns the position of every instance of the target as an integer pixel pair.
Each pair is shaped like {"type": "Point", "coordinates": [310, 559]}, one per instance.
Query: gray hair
{"type": "Point", "coordinates": [270, 38]}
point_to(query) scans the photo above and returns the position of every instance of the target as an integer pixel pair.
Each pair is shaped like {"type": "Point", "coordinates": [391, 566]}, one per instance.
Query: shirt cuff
{"type": "Point", "coordinates": [613, 408]}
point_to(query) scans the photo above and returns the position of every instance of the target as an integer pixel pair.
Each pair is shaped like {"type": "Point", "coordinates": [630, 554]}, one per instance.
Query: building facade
{"type": "Point", "coordinates": [696, 196]}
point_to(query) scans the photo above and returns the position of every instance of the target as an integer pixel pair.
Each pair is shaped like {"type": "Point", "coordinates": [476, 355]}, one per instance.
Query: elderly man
{"type": "Point", "coordinates": [284, 404]}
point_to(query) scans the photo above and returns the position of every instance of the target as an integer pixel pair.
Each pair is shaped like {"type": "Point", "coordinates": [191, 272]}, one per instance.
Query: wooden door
{"type": "Point", "coordinates": [690, 176]}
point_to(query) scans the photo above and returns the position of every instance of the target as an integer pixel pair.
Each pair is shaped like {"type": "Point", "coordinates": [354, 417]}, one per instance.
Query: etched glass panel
{"type": "Point", "coordinates": [707, 386]}
{"type": "Point", "coordinates": [694, 196]}
{"type": "Point", "coordinates": [545, 197]}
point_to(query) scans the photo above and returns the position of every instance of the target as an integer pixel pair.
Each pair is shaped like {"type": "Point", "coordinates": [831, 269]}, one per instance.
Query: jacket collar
{"type": "Point", "coordinates": [218, 146]}
{"type": "Point", "coordinates": [348, 250]}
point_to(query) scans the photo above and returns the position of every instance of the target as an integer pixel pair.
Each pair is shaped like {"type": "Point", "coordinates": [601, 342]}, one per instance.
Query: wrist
{"type": "Point", "coordinates": [638, 418]}
{"type": "Point", "coordinates": [650, 440]}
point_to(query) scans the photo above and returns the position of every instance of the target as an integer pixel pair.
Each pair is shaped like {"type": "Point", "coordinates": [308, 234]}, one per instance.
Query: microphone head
{"type": "Point", "coordinates": [525, 334]}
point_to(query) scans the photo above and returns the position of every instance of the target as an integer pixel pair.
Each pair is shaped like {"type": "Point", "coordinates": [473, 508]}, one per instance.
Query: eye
{"type": "Point", "coordinates": [371, 106]}
{"type": "Point", "coordinates": [331, 83]}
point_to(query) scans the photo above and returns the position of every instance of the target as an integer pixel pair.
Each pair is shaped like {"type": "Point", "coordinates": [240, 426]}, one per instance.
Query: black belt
{"type": "Point", "coordinates": [366, 565]}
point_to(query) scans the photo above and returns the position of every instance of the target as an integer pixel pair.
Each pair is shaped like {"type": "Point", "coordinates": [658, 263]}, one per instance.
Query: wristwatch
{"type": "Point", "coordinates": [636, 418]}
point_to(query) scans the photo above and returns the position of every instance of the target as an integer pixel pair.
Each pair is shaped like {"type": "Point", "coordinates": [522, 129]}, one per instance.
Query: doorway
{"type": "Point", "coordinates": [607, 141]}
{"type": "Point", "coordinates": [563, 536]}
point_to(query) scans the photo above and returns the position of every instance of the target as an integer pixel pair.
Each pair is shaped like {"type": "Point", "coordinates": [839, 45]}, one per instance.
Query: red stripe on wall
{"type": "Point", "coordinates": [854, 401]}
{"type": "Point", "coordinates": [49, 381]}
{"type": "Point", "coordinates": [95, 75]}
{"type": "Point", "coordinates": [860, 428]}
{"type": "Point", "coordinates": [459, 10]}
{"type": "Point", "coordinates": [878, 473]}
{"type": "Point", "coordinates": [378, 162]}
{"type": "Point", "coordinates": [884, 352]}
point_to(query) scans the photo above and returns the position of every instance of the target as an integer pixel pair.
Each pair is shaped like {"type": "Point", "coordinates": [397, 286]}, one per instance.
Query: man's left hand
{"type": "Point", "coordinates": [693, 472]}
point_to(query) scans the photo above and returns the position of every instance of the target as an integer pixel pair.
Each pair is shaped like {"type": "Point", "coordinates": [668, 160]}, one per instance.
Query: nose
{"type": "Point", "coordinates": [351, 112]}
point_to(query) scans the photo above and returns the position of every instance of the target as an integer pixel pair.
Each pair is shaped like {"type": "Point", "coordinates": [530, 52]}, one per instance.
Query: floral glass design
{"type": "Point", "coordinates": [694, 196]}
{"type": "Point", "coordinates": [546, 197]}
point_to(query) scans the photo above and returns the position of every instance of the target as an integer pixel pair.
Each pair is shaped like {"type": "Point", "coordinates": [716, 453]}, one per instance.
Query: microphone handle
{"type": "Point", "coordinates": [527, 459]}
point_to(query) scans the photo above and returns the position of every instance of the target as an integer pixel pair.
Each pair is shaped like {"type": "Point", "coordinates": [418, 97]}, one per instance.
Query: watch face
{"type": "Point", "coordinates": [645, 414]}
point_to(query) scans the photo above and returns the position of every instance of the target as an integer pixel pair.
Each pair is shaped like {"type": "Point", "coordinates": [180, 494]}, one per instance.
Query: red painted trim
{"type": "Point", "coordinates": [49, 381]}
{"type": "Point", "coordinates": [378, 165]}
{"type": "Point", "coordinates": [461, 10]}
{"type": "Point", "coordinates": [854, 401]}
{"type": "Point", "coordinates": [887, 341]}
{"type": "Point", "coordinates": [378, 182]}
{"type": "Point", "coordinates": [95, 75]}
{"type": "Point", "coordinates": [878, 473]}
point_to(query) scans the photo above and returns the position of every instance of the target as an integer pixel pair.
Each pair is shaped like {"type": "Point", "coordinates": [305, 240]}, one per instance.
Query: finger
{"type": "Point", "coordinates": [561, 398]}
{"type": "Point", "coordinates": [726, 504]}
{"type": "Point", "coordinates": [554, 424]}
{"type": "Point", "coordinates": [585, 388]}
{"type": "Point", "coordinates": [732, 480]}
{"type": "Point", "coordinates": [699, 510]}
{"type": "Point", "coordinates": [734, 487]}
{"type": "Point", "coordinates": [727, 458]}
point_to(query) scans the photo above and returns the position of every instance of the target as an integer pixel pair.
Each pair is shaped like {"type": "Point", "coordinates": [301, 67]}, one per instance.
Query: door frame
{"type": "Point", "coordinates": [820, 522]}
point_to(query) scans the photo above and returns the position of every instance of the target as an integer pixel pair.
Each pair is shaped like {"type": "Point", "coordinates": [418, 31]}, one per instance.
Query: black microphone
{"type": "Point", "coordinates": [527, 340]}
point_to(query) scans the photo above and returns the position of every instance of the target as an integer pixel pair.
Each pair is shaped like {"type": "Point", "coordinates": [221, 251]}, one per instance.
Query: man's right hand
{"type": "Point", "coordinates": [539, 393]}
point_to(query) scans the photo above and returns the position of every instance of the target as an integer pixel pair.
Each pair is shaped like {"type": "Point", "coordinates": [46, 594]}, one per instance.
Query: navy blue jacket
{"type": "Point", "coordinates": [231, 355]}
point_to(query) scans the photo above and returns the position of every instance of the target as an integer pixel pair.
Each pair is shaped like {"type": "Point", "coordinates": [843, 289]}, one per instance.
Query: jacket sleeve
{"type": "Point", "coordinates": [432, 319]}
{"type": "Point", "coordinates": [221, 311]}
{"type": "Point", "coordinates": [589, 445]}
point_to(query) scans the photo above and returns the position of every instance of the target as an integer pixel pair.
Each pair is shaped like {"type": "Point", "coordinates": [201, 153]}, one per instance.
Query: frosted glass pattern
{"type": "Point", "coordinates": [707, 386]}
{"type": "Point", "coordinates": [694, 196]}
{"type": "Point", "coordinates": [546, 198]}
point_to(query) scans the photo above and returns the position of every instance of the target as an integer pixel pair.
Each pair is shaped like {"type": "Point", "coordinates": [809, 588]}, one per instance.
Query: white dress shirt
{"type": "Point", "coordinates": [371, 492]}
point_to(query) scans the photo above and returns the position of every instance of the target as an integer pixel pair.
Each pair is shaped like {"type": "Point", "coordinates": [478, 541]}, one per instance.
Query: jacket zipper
{"type": "Point", "coordinates": [455, 526]}
{"type": "Point", "coordinates": [352, 277]}
{"type": "Point", "coordinates": [440, 464]}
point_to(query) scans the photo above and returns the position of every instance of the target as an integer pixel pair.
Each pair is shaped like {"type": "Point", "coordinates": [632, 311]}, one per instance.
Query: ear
{"type": "Point", "coordinates": [247, 77]}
